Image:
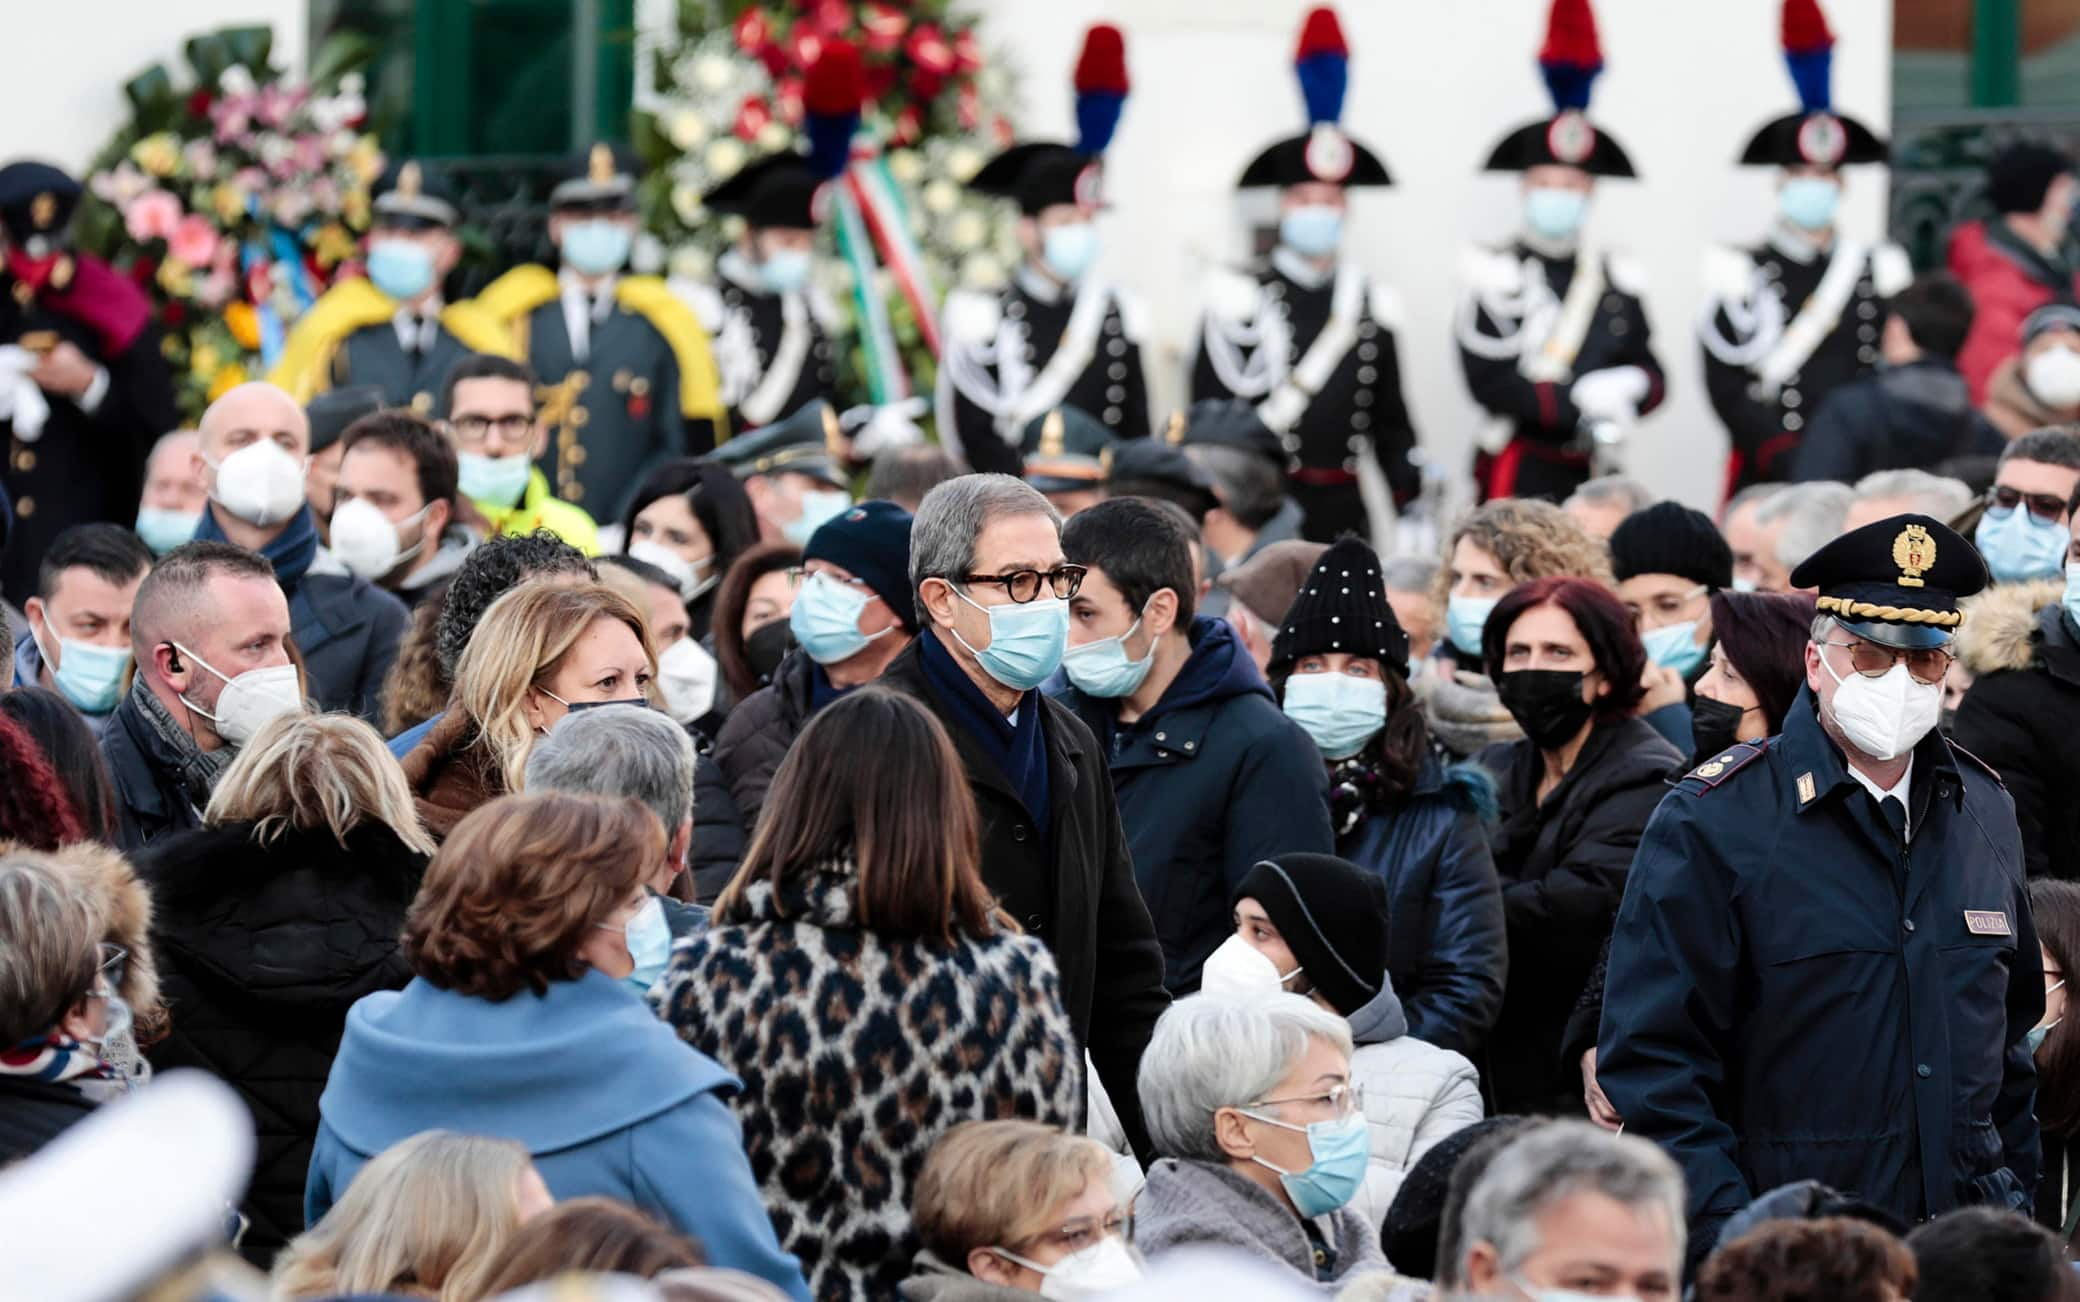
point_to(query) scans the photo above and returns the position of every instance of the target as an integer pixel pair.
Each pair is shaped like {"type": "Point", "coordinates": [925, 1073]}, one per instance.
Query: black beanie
{"type": "Point", "coordinates": [2020, 175]}
{"type": "Point", "coordinates": [1342, 607]}
{"type": "Point", "coordinates": [1670, 538]}
{"type": "Point", "coordinates": [1333, 915]}
{"type": "Point", "coordinates": [1409, 1233]}
{"type": "Point", "coordinates": [872, 540]}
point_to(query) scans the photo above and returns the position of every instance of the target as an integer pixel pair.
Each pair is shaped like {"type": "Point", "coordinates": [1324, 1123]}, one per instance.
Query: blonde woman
{"type": "Point", "coordinates": [272, 919]}
{"type": "Point", "coordinates": [432, 1216]}
{"type": "Point", "coordinates": [540, 650]}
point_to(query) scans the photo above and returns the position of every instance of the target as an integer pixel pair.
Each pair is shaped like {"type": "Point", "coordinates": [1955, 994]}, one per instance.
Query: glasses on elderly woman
{"type": "Point", "coordinates": [108, 973]}
{"type": "Point", "coordinates": [1081, 1232]}
{"type": "Point", "coordinates": [1338, 1101]}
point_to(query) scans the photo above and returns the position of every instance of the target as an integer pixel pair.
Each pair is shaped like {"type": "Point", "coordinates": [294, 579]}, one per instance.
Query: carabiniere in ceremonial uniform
{"type": "Point", "coordinates": [1824, 966]}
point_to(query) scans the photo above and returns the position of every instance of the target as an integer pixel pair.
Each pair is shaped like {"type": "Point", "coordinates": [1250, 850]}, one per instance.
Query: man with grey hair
{"type": "Point", "coordinates": [1883, 494]}
{"type": "Point", "coordinates": [991, 587]}
{"type": "Point", "coordinates": [1602, 503]}
{"type": "Point", "coordinates": [1750, 542]}
{"type": "Point", "coordinates": [1566, 1209]}
{"type": "Point", "coordinates": [1799, 520]}
{"type": "Point", "coordinates": [1409, 580]}
{"type": "Point", "coordinates": [627, 750]}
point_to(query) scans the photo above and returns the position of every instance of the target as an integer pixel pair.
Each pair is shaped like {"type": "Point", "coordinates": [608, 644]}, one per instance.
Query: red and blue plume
{"type": "Point", "coordinates": [832, 93]}
{"type": "Point", "coordinates": [1323, 63]}
{"type": "Point", "coordinates": [1809, 51]}
{"type": "Point", "coordinates": [1101, 87]}
{"type": "Point", "coordinates": [1571, 56]}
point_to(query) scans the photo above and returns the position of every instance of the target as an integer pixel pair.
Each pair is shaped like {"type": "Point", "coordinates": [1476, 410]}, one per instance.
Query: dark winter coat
{"type": "Point", "coordinates": [719, 833]}
{"type": "Point", "coordinates": [1073, 888]}
{"type": "Point", "coordinates": [34, 1112]}
{"type": "Point", "coordinates": [2022, 714]}
{"type": "Point", "coordinates": [1562, 862]}
{"type": "Point", "coordinates": [151, 799]}
{"type": "Point", "coordinates": [755, 737]}
{"type": "Point", "coordinates": [262, 949]}
{"type": "Point", "coordinates": [1795, 993]}
{"type": "Point", "coordinates": [1445, 944]}
{"type": "Point", "coordinates": [1915, 415]}
{"type": "Point", "coordinates": [1210, 782]}
{"type": "Point", "coordinates": [348, 630]}
{"type": "Point", "coordinates": [791, 984]}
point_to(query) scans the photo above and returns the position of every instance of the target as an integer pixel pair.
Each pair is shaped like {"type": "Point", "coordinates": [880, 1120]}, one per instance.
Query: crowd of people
{"type": "Point", "coordinates": [591, 816]}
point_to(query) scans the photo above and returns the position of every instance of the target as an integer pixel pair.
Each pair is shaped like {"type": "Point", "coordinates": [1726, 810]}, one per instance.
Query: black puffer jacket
{"type": "Point", "coordinates": [2022, 714]}
{"type": "Point", "coordinates": [261, 951]}
{"type": "Point", "coordinates": [759, 731]}
{"type": "Point", "coordinates": [34, 1112]}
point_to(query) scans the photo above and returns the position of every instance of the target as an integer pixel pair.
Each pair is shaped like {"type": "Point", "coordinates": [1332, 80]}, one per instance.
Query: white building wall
{"type": "Point", "coordinates": [1433, 86]}
{"type": "Point", "coordinates": [66, 62]}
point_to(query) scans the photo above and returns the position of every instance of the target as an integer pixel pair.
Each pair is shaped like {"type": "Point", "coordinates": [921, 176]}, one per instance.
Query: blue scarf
{"type": "Point", "coordinates": [291, 552]}
{"type": "Point", "coordinates": [1020, 751]}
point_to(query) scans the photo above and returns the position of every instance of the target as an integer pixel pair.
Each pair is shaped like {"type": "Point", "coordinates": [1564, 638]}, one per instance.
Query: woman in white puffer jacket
{"type": "Point", "coordinates": [1314, 924]}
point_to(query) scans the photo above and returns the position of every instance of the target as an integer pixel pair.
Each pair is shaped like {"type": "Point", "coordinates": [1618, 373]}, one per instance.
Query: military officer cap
{"type": "Point", "coordinates": [332, 411]}
{"type": "Point", "coordinates": [1570, 61]}
{"type": "Point", "coordinates": [1816, 135]}
{"type": "Point", "coordinates": [415, 194]}
{"type": "Point", "coordinates": [809, 442]}
{"type": "Point", "coordinates": [1232, 423]}
{"type": "Point", "coordinates": [36, 203]}
{"type": "Point", "coordinates": [602, 179]}
{"type": "Point", "coordinates": [1041, 174]}
{"type": "Point", "coordinates": [1324, 152]}
{"type": "Point", "coordinates": [778, 190]}
{"type": "Point", "coordinates": [1158, 467]}
{"type": "Point", "coordinates": [1065, 450]}
{"type": "Point", "coordinates": [1895, 581]}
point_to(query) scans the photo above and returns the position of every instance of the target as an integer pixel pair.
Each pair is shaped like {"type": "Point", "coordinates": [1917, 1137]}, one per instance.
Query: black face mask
{"type": "Point", "coordinates": [767, 646]}
{"type": "Point", "coordinates": [1713, 725]}
{"type": "Point", "coordinates": [637, 701]}
{"type": "Point", "coordinates": [1546, 703]}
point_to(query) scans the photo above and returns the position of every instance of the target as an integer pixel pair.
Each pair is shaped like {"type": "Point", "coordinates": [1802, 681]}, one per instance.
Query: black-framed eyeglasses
{"type": "Point", "coordinates": [2048, 507]}
{"type": "Point", "coordinates": [1925, 665]}
{"type": "Point", "coordinates": [475, 429]}
{"type": "Point", "coordinates": [1023, 586]}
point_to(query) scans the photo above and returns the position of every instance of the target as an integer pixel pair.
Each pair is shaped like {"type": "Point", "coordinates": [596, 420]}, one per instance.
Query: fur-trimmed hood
{"type": "Point", "coordinates": [124, 907]}
{"type": "Point", "coordinates": [1998, 622]}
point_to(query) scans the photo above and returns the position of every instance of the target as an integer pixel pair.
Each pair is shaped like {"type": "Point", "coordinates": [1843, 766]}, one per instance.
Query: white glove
{"type": "Point", "coordinates": [876, 429]}
{"type": "Point", "coordinates": [20, 400]}
{"type": "Point", "coordinates": [1613, 393]}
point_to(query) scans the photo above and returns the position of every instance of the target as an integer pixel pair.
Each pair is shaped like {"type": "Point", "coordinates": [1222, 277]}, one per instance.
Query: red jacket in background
{"type": "Point", "coordinates": [2007, 282]}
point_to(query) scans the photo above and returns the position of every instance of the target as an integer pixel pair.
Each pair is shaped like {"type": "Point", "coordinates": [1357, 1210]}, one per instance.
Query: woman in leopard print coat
{"type": "Point", "coordinates": [861, 982]}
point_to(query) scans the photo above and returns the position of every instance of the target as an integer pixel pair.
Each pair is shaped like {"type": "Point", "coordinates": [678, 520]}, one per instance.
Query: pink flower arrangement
{"type": "Point", "coordinates": [152, 215]}
{"type": "Point", "coordinates": [193, 240]}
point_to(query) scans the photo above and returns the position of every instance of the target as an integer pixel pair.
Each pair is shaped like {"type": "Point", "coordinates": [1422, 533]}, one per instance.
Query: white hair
{"type": "Point", "coordinates": [1534, 1173]}
{"type": "Point", "coordinates": [1936, 495]}
{"type": "Point", "coordinates": [624, 751]}
{"type": "Point", "coordinates": [1812, 515]}
{"type": "Point", "coordinates": [1614, 490]}
{"type": "Point", "coordinates": [1211, 1053]}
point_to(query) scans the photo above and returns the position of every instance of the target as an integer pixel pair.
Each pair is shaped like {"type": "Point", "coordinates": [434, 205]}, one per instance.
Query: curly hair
{"type": "Point", "coordinates": [67, 740]}
{"type": "Point", "coordinates": [35, 807]}
{"type": "Point", "coordinates": [1529, 539]}
{"type": "Point", "coordinates": [488, 573]}
{"type": "Point", "coordinates": [1835, 1259]}
{"type": "Point", "coordinates": [519, 886]}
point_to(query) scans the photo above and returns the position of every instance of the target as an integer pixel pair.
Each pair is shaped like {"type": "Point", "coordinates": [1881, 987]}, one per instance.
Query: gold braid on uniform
{"type": "Point", "coordinates": [1897, 614]}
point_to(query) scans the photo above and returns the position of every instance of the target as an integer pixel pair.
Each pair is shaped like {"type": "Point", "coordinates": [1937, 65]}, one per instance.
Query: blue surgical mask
{"type": "Point", "coordinates": [2072, 597]}
{"type": "Point", "coordinates": [403, 269]}
{"type": "Point", "coordinates": [495, 481]}
{"type": "Point", "coordinates": [1341, 712]}
{"type": "Point", "coordinates": [1341, 1149]}
{"type": "Point", "coordinates": [819, 507]}
{"type": "Point", "coordinates": [1311, 230]}
{"type": "Point", "coordinates": [785, 270]}
{"type": "Point", "coordinates": [1464, 618]}
{"type": "Point", "coordinates": [1555, 213]}
{"type": "Point", "coordinates": [1025, 641]}
{"type": "Point", "coordinates": [596, 247]}
{"type": "Point", "coordinates": [825, 619]}
{"type": "Point", "coordinates": [164, 530]}
{"type": "Point", "coordinates": [2018, 546]}
{"type": "Point", "coordinates": [1103, 668]}
{"type": "Point", "coordinates": [1809, 202]}
{"type": "Point", "coordinates": [89, 676]}
{"type": "Point", "coordinates": [649, 944]}
{"type": "Point", "coordinates": [1069, 250]}
{"type": "Point", "coordinates": [1674, 646]}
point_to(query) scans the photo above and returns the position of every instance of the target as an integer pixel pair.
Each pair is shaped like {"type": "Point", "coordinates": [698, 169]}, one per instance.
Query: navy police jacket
{"type": "Point", "coordinates": [1796, 995]}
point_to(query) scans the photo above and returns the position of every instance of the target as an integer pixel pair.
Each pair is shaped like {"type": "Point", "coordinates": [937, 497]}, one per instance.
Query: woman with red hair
{"type": "Point", "coordinates": [1575, 794]}
{"type": "Point", "coordinates": [35, 808]}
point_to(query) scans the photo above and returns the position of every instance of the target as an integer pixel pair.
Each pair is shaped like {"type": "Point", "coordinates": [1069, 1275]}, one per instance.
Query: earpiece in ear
{"type": "Point", "coordinates": [173, 659]}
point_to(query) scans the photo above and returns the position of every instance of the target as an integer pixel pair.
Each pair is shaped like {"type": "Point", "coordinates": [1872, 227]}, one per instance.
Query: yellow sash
{"type": "Point", "coordinates": [304, 368]}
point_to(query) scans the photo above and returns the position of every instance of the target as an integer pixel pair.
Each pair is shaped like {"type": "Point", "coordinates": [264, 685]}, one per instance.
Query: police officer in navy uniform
{"type": "Point", "coordinates": [1824, 966]}
{"type": "Point", "coordinates": [1792, 319]}
{"type": "Point", "coordinates": [1551, 330]}
{"type": "Point", "coordinates": [1060, 332]}
{"type": "Point", "coordinates": [1305, 335]}
{"type": "Point", "coordinates": [80, 409]}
